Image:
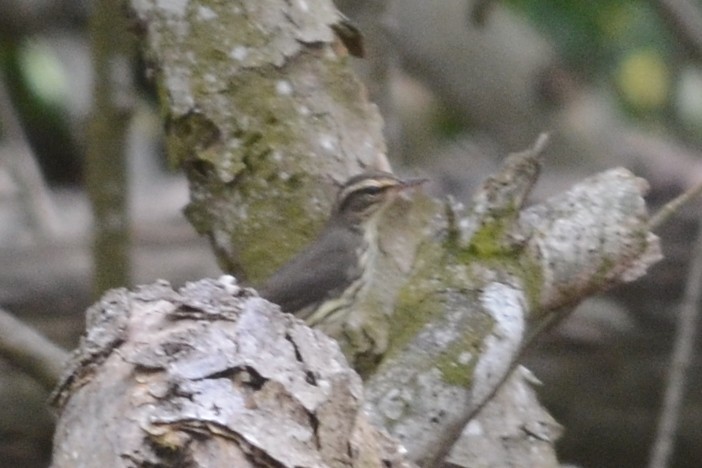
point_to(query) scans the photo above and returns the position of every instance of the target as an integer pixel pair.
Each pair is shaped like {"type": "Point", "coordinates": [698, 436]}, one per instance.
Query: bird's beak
{"type": "Point", "coordinates": [406, 185]}
{"type": "Point", "coordinates": [409, 183]}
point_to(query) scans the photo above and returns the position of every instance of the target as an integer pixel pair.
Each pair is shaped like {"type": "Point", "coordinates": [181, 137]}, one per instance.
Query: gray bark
{"type": "Point", "coordinates": [483, 285]}
{"type": "Point", "coordinates": [210, 375]}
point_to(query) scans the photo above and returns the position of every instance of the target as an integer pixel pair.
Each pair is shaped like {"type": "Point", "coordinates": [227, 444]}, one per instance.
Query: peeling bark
{"type": "Point", "coordinates": [210, 375]}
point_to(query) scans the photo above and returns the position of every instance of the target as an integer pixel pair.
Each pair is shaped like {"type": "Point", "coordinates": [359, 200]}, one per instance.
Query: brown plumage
{"type": "Point", "coordinates": [328, 274]}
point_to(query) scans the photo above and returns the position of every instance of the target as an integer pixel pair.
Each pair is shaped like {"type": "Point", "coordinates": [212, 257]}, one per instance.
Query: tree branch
{"type": "Point", "coordinates": [485, 283]}
{"type": "Point", "coordinates": [34, 193]}
{"type": "Point", "coordinates": [685, 21]}
{"type": "Point", "coordinates": [216, 376]}
{"type": "Point", "coordinates": [106, 168]}
{"type": "Point", "coordinates": [30, 351]}
{"type": "Point", "coordinates": [680, 361]}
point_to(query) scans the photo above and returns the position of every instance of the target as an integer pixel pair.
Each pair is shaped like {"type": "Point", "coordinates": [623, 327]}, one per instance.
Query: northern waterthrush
{"type": "Point", "coordinates": [328, 277]}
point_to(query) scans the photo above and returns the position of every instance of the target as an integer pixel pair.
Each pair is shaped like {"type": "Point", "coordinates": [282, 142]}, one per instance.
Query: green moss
{"type": "Point", "coordinates": [417, 301]}
{"type": "Point", "coordinates": [442, 275]}
{"type": "Point", "coordinates": [490, 247]}
{"type": "Point", "coordinates": [458, 361]}
{"type": "Point", "coordinates": [487, 241]}
{"type": "Point", "coordinates": [279, 220]}
{"type": "Point", "coordinates": [357, 343]}
{"type": "Point", "coordinates": [276, 208]}
{"type": "Point", "coordinates": [191, 134]}
{"type": "Point", "coordinates": [532, 278]}
{"type": "Point", "coordinates": [364, 363]}
{"type": "Point", "coordinates": [420, 303]}
{"type": "Point", "coordinates": [343, 86]}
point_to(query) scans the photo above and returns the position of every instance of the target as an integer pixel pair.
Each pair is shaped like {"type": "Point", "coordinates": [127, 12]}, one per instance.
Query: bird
{"type": "Point", "coordinates": [331, 274]}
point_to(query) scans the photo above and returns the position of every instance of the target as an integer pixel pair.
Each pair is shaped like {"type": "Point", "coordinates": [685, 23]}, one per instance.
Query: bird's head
{"type": "Point", "coordinates": [364, 196]}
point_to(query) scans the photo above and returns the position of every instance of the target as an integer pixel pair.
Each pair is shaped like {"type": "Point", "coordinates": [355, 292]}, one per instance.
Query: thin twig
{"type": "Point", "coordinates": [673, 206]}
{"type": "Point", "coordinates": [25, 348]}
{"type": "Point", "coordinates": [680, 362]}
{"type": "Point", "coordinates": [685, 20]}
{"type": "Point", "coordinates": [35, 194]}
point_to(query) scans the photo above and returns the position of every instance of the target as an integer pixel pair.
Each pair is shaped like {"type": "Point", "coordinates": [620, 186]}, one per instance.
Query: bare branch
{"type": "Point", "coordinates": [35, 194]}
{"type": "Point", "coordinates": [680, 361]}
{"type": "Point", "coordinates": [672, 207]}
{"type": "Point", "coordinates": [30, 351]}
{"type": "Point", "coordinates": [685, 20]}
{"type": "Point", "coordinates": [113, 52]}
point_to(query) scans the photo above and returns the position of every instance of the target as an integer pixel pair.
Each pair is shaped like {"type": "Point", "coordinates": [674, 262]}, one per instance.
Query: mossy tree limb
{"type": "Point", "coordinates": [264, 115]}
{"type": "Point", "coordinates": [474, 301]}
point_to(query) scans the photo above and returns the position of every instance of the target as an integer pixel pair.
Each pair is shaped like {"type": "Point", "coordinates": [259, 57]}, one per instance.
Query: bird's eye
{"type": "Point", "coordinates": [372, 190]}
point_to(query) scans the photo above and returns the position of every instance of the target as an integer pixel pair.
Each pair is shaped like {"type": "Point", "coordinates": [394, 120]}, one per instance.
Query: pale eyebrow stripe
{"type": "Point", "coordinates": [380, 183]}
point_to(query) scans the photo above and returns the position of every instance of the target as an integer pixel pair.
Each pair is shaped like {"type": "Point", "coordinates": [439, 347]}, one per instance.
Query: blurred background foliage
{"type": "Point", "coordinates": [624, 46]}
{"type": "Point", "coordinates": [39, 83]}
{"type": "Point", "coordinates": [621, 46]}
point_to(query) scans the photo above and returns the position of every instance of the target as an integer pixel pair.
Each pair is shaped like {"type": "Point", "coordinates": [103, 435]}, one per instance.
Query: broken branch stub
{"type": "Point", "coordinates": [211, 375]}
{"type": "Point", "coordinates": [485, 281]}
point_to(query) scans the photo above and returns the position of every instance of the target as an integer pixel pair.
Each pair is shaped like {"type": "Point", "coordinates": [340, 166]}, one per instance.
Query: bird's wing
{"type": "Point", "coordinates": [321, 270]}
